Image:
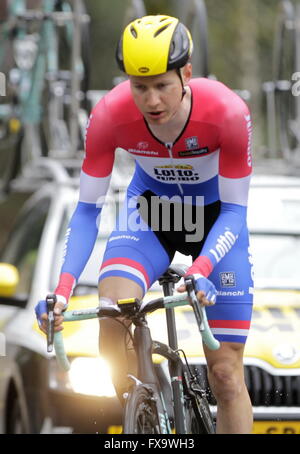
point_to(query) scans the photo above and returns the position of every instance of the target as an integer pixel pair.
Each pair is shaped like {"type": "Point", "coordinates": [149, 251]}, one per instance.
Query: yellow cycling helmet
{"type": "Point", "coordinates": [153, 45]}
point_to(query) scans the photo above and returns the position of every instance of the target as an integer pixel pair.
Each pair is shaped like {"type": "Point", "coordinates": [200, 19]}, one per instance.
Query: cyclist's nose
{"type": "Point", "coordinates": [152, 99]}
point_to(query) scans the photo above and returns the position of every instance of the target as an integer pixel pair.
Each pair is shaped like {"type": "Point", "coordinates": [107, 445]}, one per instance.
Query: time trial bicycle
{"type": "Point", "coordinates": [148, 409]}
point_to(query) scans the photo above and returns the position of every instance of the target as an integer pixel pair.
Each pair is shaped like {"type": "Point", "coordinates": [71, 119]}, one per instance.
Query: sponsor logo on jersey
{"type": "Point", "coordinates": [249, 149]}
{"type": "Point", "coordinates": [237, 293]}
{"type": "Point", "coordinates": [142, 145]}
{"type": "Point", "coordinates": [227, 279]}
{"type": "Point", "coordinates": [142, 151]}
{"type": "Point", "coordinates": [124, 237]}
{"type": "Point", "coordinates": [170, 166]}
{"type": "Point", "coordinates": [224, 244]}
{"type": "Point", "coordinates": [192, 143]}
{"type": "Point", "coordinates": [175, 174]}
{"type": "Point", "coordinates": [198, 152]}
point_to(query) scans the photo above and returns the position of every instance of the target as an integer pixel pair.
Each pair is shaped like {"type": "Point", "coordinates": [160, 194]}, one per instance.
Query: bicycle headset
{"type": "Point", "coordinates": [153, 45]}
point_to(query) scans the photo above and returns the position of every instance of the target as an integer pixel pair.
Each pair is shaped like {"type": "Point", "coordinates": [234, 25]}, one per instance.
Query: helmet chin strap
{"type": "Point", "coordinates": [183, 89]}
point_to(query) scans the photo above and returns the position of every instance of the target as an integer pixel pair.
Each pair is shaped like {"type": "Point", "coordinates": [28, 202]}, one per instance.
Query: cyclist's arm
{"type": "Point", "coordinates": [94, 182]}
{"type": "Point", "coordinates": [235, 166]}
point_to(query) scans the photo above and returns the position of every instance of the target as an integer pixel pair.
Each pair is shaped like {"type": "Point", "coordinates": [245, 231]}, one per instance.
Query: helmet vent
{"type": "Point", "coordinates": [133, 32]}
{"type": "Point", "coordinates": [162, 29]}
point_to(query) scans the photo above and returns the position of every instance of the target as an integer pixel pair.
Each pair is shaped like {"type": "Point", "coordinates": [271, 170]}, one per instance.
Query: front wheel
{"type": "Point", "coordinates": [141, 414]}
{"type": "Point", "coordinates": [198, 415]}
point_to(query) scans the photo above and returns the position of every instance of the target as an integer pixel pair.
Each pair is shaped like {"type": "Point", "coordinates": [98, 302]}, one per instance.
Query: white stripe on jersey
{"type": "Point", "coordinates": [93, 189]}
{"type": "Point", "coordinates": [127, 269]}
{"type": "Point", "coordinates": [233, 331]}
{"type": "Point", "coordinates": [234, 190]}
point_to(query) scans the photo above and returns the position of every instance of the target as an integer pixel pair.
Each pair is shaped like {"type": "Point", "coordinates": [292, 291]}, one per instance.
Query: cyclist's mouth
{"type": "Point", "coordinates": [156, 115]}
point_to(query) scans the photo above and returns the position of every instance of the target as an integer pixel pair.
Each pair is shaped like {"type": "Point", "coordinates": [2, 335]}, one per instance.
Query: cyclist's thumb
{"type": "Point", "coordinates": [59, 308]}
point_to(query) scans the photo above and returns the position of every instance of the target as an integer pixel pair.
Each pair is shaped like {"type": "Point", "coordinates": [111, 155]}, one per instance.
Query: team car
{"type": "Point", "coordinates": [37, 397]}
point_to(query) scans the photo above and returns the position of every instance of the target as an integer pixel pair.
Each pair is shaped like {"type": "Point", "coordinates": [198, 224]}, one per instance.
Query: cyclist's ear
{"type": "Point", "coordinates": [186, 73]}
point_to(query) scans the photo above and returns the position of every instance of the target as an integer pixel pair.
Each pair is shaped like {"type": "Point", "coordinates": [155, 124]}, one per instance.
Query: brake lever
{"type": "Point", "coordinates": [190, 285]}
{"type": "Point", "coordinates": [50, 301]}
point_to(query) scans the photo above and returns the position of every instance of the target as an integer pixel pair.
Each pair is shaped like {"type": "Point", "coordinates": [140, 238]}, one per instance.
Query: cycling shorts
{"type": "Point", "coordinates": [142, 254]}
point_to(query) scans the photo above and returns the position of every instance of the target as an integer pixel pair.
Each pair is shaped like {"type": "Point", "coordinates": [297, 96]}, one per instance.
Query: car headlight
{"type": "Point", "coordinates": [89, 376]}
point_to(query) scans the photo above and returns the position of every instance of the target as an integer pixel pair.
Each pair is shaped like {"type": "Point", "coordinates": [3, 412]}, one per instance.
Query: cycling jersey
{"type": "Point", "coordinates": [208, 165]}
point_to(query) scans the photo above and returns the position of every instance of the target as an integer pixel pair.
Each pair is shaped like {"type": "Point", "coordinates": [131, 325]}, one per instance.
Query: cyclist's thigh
{"type": "Point", "coordinates": [115, 287]}
{"type": "Point", "coordinates": [230, 317]}
{"type": "Point", "coordinates": [134, 252]}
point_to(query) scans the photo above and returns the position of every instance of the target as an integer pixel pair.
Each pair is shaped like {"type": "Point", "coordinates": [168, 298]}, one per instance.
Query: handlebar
{"type": "Point", "coordinates": [187, 298]}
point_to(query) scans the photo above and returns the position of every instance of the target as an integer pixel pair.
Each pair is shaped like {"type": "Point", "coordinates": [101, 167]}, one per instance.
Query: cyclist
{"type": "Point", "coordinates": [190, 138]}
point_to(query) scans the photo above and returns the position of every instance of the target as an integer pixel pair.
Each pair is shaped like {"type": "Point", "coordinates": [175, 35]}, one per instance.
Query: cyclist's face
{"type": "Point", "coordinates": [159, 97]}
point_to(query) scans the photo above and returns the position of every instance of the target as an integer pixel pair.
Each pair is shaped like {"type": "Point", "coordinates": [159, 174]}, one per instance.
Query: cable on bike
{"type": "Point", "coordinates": [187, 364]}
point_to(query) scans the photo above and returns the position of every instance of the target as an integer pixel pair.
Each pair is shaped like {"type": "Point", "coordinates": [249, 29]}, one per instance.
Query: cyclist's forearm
{"type": "Point", "coordinates": [80, 240]}
{"type": "Point", "coordinates": [220, 239]}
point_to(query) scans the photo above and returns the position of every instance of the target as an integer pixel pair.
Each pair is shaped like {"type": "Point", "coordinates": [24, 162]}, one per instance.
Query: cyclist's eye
{"type": "Point", "coordinates": [140, 87]}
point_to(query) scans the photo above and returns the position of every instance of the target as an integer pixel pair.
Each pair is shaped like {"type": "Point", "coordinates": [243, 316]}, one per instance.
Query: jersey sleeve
{"type": "Point", "coordinates": [235, 167]}
{"type": "Point", "coordinates": [94, 182]}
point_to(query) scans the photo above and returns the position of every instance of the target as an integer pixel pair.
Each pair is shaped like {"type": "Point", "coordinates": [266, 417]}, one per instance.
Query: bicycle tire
{"type": "Point", "coordinates": [199, 419]}
{"type": "Point", "coordinates": [198, 415]}
{"type": "Point", "coordinates": [141, 414]}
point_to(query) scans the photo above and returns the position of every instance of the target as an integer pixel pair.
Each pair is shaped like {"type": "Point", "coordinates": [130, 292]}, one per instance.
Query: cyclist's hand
{"type": "Point", "coordinates": [205, 290]}
{"type": "Point", "coordinates": [42, 317]}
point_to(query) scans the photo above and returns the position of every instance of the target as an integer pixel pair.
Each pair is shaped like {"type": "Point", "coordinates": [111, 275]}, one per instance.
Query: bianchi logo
{"type": "Point", "coordinates": [237, 293]}
{"type": "Point", "coordinates": [142, 151]}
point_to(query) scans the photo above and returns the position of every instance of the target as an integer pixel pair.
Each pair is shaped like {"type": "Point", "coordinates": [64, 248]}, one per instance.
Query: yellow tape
{"type": "Point", "coordinates": [127, 301]}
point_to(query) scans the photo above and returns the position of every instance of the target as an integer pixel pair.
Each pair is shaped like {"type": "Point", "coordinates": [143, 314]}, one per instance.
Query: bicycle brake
{"type": "Point", "coordinates": [51, 301]}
